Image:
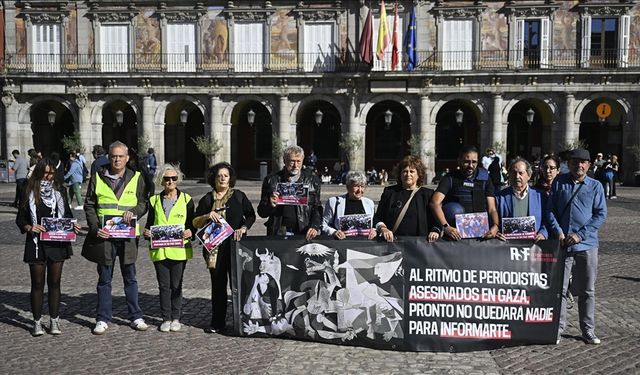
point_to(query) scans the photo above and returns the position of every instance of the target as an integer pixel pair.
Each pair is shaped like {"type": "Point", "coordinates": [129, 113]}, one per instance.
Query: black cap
{"type": "Point", "coordinates": [580, 154]}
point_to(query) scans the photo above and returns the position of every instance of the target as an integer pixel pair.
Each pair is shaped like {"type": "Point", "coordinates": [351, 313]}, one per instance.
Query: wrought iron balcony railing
{"type": "Point", "coordinates": [427, 61]}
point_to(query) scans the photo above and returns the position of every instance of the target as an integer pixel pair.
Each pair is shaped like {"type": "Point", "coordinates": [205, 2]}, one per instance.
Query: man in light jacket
{"type": "Point", "coordinates": [74, 178]}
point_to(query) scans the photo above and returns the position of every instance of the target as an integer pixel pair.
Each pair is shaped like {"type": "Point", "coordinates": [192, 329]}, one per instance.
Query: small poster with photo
{"type": "Point", "coordinates": [214, 233]}
{"type": "Point", "coordinates": [58, 229]}
{"type": "Point", "coordinates": [117, 228]}
{"type": "Point", "coordinates": [356, 225]}
{"type": "Point", "coordinates": [473, 225]}
{"type": "Point", "coordinates": [519, 228]}
{"type": "Point", "coordinates": [292, 194]}
{"type": "Point", "coordinates": [167, 236]}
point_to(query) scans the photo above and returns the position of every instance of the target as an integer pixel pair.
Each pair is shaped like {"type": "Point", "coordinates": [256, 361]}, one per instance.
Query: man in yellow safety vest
{"type": "Point", "coordinates": [114, 190]}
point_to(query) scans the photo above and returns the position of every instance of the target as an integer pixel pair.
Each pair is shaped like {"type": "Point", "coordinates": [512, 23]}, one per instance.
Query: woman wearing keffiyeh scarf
{"type": "Point", "coordinates": [43, 198]}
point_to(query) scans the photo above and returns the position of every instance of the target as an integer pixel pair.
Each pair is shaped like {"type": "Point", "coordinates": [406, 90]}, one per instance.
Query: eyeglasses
{"type": "Point", "coordinates": [170, 178]}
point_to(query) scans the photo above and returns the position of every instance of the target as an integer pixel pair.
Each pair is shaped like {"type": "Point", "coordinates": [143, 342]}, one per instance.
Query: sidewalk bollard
{"type": "Point", "coordinates": [263, 170]}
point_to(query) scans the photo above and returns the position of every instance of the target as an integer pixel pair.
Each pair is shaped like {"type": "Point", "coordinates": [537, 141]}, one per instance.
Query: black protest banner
{"type": "Point", "coordinates": [343, 292]}
{"type": "Point", "coordinates": [406, 295]}
{"type": "Point", "coordinates": [470, 294]}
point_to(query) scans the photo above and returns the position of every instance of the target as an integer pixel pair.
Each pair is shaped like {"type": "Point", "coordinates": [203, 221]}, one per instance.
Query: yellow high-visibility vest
{"type": "Point", "coordinates": [177, 215]}
{"type": "Point", "coordinates": [107, 202]}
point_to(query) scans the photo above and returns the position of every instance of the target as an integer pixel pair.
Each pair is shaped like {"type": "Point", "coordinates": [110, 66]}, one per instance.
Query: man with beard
{"type": "Point", "coordinates": [468, 190]}
{"type": "Point", "coordinates": [578, 209]}
{"type": "Point", "coordinates": [289, 219]}
{"type": "Point", "coordinates": [520, 200]}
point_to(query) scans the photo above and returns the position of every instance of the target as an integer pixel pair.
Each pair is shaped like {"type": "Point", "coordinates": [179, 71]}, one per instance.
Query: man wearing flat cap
{"type": "Point", "coordinates": [577, 211]}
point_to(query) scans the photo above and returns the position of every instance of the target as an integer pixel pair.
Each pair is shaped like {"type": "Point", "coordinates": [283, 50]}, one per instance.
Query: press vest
{"type": "Point", "coordinates": [177, 215]}
{"type": "Point", "coordinates": [477, 192]}
{"type": "Point", "coordinates": [107, 202]}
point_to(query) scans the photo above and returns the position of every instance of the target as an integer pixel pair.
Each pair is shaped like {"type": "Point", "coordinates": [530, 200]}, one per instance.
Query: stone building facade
{"type": "Point", "coordinates": [525, 77]}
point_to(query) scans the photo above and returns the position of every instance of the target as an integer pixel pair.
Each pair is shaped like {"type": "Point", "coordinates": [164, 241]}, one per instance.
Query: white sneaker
{"type": "Point", "coordinates": [175, 325]}
{"type": "Point", "coordinates": [165, 326]}
{"type": "Point", "coordinates": [78, 208]}
{"type": "Point", "coordinates": [139, 325]}
{"type": "Point", "coordinates": [54, 326]}
{"type": "Point", "coordinates": [100, 328]}
{"type": "Point", "coordinates": [37, 329]}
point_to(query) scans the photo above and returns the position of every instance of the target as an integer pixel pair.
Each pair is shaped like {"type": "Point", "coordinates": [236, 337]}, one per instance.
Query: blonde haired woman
{"type": "Point", "coordinates": [170, 206]}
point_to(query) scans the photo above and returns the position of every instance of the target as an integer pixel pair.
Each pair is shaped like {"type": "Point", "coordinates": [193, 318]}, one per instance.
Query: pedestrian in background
{"type": "Point", "coordinates": [549, 169]}
{"type": "Point", "coordinates": [170, 206]}
{"type": "Point", "coordinates": [44, 197]}
{"type": "Point", "coordinates": [74, 178]}
{"type": "Point", "coordinates": [20, 170]}
{"type": "Point", "coordinates": [223, 201]}
{"type": "Point", "coordinates": [150, 162]}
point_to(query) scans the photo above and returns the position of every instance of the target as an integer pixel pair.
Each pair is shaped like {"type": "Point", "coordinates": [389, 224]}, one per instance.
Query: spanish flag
{"type": "Point", "coordinates": [383, 33]}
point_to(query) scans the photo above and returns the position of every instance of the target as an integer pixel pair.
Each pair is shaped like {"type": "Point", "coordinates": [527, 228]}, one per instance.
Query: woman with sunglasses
{"type": "Point", "coordinates": [549, 169]}
{"type": "Point", "coordinates": [233, 205]}
{"type": "Point", "coordinates": [171, 206]}
{"type": "Point", "coordinates": [44, 197]}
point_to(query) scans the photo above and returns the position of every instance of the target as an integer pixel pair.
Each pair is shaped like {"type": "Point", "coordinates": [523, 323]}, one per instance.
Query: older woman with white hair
{"type": "Point", "coordinates": [170, 206]}
{"type": "Point", "coordinates": [339, 211]}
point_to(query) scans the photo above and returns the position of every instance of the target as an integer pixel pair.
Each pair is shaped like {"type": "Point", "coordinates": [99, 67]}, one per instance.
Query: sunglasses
{"type": "Point", "coordinates": [170, 178]}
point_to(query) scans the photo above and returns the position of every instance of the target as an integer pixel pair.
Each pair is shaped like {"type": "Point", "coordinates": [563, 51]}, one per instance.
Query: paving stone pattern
{"type": "Point", "coordinates": [191, 351]}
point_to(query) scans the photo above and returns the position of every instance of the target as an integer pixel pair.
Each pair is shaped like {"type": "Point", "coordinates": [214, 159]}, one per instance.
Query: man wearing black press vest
{"type": "Point", "coordinates": [470, 189]}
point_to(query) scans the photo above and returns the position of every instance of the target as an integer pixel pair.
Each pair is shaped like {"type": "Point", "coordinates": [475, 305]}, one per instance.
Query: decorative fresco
{"type": "Point", "coordinates": [495, 30]}
{"type": "Point", "coordinates": [634, 37]}
{"type": "Point", "coordinates": [284, 40]}
{"type": "Point", "coordinates": [148, 35]}
{"type": "Point", "coordinates": [426, 28]}
{"type": "Point", "coordinates": [21, 35]}
{"type": "Point", "coordinates": [72, 33]}
{"type": "Point", "coordinates": [565, 29]}
{"type": "Point", "coordinates": [215, 38]}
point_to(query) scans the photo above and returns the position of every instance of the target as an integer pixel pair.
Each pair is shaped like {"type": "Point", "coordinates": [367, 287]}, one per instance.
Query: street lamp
{"type": "Point", "coordinates": [318, 117]}
{"type": "Point", "coordinates": [459, 116]}
{"type": "Point", "coordinates": [530, 114]}
{"type": "Point", "coordinates": [119, 118]}
{"type": "Point", "coordinates": [52, 117]}
{"type": "Point", "coordinates": [184, 115]}
{"type": "Point", "coordinates": [388, 116]}
{"type": "Point", "coordinates": [251, 117]}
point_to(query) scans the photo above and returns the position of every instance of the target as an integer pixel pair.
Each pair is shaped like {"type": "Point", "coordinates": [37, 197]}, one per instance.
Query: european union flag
{"type": "Point", "coordinates": [410, 43]}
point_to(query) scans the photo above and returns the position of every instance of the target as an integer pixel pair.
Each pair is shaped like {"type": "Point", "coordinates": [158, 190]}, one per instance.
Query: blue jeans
{"type": "Point", "coordinates": [105, 275]}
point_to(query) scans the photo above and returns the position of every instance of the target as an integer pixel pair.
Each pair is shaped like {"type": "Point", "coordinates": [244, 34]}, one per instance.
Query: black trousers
{"type": "Point", "coordinates": [220, 277]}
{"type": "Point", "coordinates": [169, 274]}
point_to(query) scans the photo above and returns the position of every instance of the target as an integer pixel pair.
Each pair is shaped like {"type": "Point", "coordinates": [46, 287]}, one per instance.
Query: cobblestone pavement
{"type": "Point", "coordinates": [122, 350]}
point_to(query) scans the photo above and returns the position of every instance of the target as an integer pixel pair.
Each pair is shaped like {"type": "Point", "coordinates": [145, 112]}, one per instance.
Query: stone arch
{"type": "Point", "coordinates": [229, 107]}
{"type": "Point", "coordinates": [24, 114]}
{"type": "Point", "coordinates": [295, 109]}
{"type": "Point", "coordinates": [371, 101]}
{"type": "Point", "coordinates": [96, 112]}
{"type": "Point", "coordinates": [551, 103]}
{"type": "Point", "coordinates": [478, 107]}
{"type": "Point", "coordinates": [161, 107]}
{"type": "Point", "coordinates": [624, 103]}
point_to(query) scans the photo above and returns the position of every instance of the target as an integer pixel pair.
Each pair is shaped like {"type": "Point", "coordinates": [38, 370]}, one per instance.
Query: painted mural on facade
{"type": "Point", "coordinates": [148, 35]}
{"type": "Point", "coordinates": [495, 30]}
{"type": "Point", "coordinates": [284, 40]}
{"type": "Point", "coordinates": [215, 38]}
{"type": "Point", "coordinates": [72, 33]}
{"type": "Point", "coordinates": [21, 35]}
{"type": "Point", "coordinates": [565, 27]}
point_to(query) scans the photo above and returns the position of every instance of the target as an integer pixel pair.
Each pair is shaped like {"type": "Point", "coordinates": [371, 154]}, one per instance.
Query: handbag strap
{"type": "Point", "coordinates": [404, 211]}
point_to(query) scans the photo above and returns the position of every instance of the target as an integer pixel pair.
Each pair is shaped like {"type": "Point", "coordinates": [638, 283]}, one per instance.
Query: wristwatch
{"type": "Point", "coordinates": [445, 225]}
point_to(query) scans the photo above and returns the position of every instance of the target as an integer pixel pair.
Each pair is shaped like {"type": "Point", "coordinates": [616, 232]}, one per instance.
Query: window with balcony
{"type": "Point", "coordinates": [532, 43]}
{"type": "Point", "coordinates": [248, 46]}
{"type": "Point", "coordinates": [457, 44]}
{"type": "Point", "coordinates": [385, 64]}
{"type": "Point", "coordinates": [181, 47]}
{"type": "Point", "coordinates": [114, 48]}
{"type": "Point", "coordinates": [319, 47]}
{"type": "Point", "coordinates": [45, 48]}
{"type": "Point", "coordinates": [605, 41]}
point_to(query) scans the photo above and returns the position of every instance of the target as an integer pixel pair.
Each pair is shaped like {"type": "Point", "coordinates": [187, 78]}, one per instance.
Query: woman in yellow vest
{"type": "Point", "coordinates": [171, 206]}
{"type": "Point", "coordinates": [234, 206]}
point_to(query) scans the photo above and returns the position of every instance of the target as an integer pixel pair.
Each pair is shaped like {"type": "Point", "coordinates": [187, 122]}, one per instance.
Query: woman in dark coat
{"type": "Point", "coordinates": [418, 220]}
{"type": "Point", "coordinates": [44, 197]}
{"type": "Point", "coordinates": [233, 205]}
